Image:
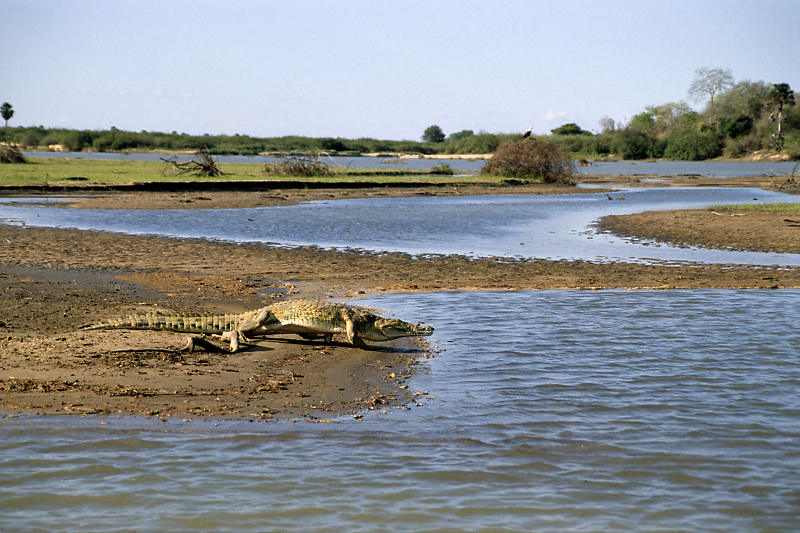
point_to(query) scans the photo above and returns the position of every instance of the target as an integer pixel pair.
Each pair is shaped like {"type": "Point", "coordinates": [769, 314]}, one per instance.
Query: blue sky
{"type": "Point", "coordinates": [374, 68]}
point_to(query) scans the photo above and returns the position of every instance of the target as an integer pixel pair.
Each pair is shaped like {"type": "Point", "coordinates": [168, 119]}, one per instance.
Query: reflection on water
{"type": "Point", "coordinates": [546, 411]}
{"type": "Point", "coordinates": [552, 227]}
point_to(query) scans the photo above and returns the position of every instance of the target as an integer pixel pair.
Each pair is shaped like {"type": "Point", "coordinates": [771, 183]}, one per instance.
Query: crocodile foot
{"type": "Point", "coordinates": [196, 341]}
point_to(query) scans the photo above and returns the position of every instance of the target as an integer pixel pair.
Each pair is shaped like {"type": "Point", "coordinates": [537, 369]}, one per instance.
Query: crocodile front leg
{"type": "Point", "coordinates": [352, 335]}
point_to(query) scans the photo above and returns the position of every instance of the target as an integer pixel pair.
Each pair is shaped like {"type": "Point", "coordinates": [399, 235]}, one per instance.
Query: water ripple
{"type": "Point", "coordinates": [612, 411]}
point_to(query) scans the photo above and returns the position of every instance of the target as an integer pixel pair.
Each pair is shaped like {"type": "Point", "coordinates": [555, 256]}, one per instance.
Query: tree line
{"type": "Point", "coordinates": [738, 118]}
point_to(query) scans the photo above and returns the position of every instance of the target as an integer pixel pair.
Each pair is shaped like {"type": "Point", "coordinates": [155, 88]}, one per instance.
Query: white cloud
{"type": "Point", "coordinates": [552, 115]}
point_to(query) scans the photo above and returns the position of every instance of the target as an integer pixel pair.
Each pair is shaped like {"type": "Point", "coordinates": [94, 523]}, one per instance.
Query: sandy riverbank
{"type": "Point", "coordinates": [52, 281]}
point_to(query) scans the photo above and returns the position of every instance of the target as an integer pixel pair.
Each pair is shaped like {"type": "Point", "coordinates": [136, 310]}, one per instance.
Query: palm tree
{"type": "Point", "coordinates": [778, 96]}
{"type": "Point", "coordinates": [6, 112]}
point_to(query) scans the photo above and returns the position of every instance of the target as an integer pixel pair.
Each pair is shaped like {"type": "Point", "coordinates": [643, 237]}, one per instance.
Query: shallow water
{"type": "Point", "coordinates": [546, 411]}
{"type": "Point", "coordinates": [550, 227]}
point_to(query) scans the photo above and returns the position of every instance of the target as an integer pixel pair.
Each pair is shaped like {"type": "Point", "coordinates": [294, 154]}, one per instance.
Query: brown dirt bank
{"type": "Point", "coordinates": [48, 366]}
{"type": "Point", "coordinates": [52, 281]}
{"type": "Point", "coordinates": [744, 230]}
{"type": "Point", "coordinates": [231, 198]}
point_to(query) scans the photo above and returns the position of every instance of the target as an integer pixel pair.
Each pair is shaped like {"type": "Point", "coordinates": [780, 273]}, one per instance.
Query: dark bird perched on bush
{"type": "Point", "coordinates": [527, 133]}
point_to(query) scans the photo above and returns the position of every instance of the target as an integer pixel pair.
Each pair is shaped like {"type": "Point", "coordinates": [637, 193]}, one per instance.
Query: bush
{"type": "Point", "coordinates": [483, 143]}
{"type": "Point", "coordinates": [733, 127]}
{"type": "Point", "coordinates": [10, 153]}
{"type": "Point", "coordinates": [463, 134]}
{"type": "Point", "coordinates": [742, 145]}
{"type": "Point", "coordinates": [793, 145]}
{"type": "Point", "coordinates": [692, 145]}
{"type": "Point", "coordinates": [332, 145]}
{"type": "Point", "coordinates": [302, 166]}
{"type": "Point", "coordinates": [443, 169]}
{"type": "Point", "coordinates": [531, 159]}
{"type": "Point", "coordinates": [636, 144]}
{"type": "Point", "coordinates": [791, 120]}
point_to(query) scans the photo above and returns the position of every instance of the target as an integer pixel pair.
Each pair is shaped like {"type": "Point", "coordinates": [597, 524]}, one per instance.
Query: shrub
{"type": "Point", "coordinates": [636, 144]}
{"type": "Point", "coordinates": [10, 153]}
{"type": "Point", "coordinates": [531, 159]}
{"type": "Point", "coordinates": [733, 127]}
{"type": "Point", "coordinates": [443, 169]}
{"type": "Point", "coordinates": [692, 145]}
{"type": "Point", "coordinates": [483, 143]}
{"type": "Point", "coordinates": [332, 145]}
{"type": "Point", "coordinates": [793, 145]}
{"type": "Point", "coordinates": [463, 134]}
{"type": "Point", "coordinates": [791, 121]}
{"type": "Point", "coordinates": [302, 166]}
{"type": "Point", "coordinates": [742, 145]}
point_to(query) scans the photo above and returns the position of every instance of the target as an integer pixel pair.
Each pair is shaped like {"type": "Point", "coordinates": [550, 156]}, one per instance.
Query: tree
{"type": "Point", "coordinates": [710, 81]}
{"type": "Point", "coordinates": [463, 134]}
{"type": "Point", "coordinates": [607, 124]}
{"type": "Point", "coordinates": [669, 116]}
{"type": "Point", "coordinates": [569, 129]}
{"type": "Point", "coordinates": [644, 122]}
{"type": "Point", "coordinates": [688, 144]}
{"type": "Point", "coordinates": [737, 126]}
{"type": "Point", "coordinates": [433, 134]}
{"type": "Point", "coordinates": [744, 98]}
{"type": "Point", "coordinates": [633, 143]}
{"type": "Point", "coordinates": [779, 95]}
{"type": "Point", "coordinates": [6, 111]}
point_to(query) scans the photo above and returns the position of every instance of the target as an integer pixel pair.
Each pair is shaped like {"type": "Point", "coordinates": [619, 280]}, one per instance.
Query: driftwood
{"type": "Point", "coordinates": [202, 165]}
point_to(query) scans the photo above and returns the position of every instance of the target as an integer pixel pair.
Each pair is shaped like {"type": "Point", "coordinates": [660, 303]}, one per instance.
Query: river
{"type": "Point", "coordinates": [541, 411]}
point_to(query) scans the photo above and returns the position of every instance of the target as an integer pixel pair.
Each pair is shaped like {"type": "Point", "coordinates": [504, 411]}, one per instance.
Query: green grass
{"type": "Point", "coordinates": [776, 207]}
{"type": "Point", "coordinates": [79, 171]}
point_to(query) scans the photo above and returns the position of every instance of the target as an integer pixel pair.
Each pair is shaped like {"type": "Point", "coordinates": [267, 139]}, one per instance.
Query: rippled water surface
{"type": "Point", "coordinates": [546, 411]}
{"type": "Point", "coordinates": [552, 227]}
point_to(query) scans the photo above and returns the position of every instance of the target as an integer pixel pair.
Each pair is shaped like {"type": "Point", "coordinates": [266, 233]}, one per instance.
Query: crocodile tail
{"type": "Point", "coordinates": [168, 322]}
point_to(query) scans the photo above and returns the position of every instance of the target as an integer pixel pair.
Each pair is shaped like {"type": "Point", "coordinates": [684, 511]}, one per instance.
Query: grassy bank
{"type": "Point", "coordinates": [78, 171]}
{"type": "Point", "coordinates": [775, 207]}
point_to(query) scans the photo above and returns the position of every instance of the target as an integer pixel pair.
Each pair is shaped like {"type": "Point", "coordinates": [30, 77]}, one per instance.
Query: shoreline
{"type": "Point", "coordinates": [53, 280]}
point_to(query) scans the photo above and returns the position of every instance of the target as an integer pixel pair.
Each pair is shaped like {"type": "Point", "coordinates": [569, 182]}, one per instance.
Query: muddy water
{"type": "Point", "coordinates": [544, 411]}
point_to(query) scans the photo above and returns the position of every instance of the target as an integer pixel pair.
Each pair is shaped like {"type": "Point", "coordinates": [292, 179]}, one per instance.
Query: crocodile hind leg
{"type": "Point", "coordinates": [196, 341]}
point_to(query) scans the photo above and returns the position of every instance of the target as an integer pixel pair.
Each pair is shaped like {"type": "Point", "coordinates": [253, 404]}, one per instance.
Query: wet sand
{"type": "Point", "coordinates": [743, 230]}
{"type": "Point", "coordinates": [52, 281]}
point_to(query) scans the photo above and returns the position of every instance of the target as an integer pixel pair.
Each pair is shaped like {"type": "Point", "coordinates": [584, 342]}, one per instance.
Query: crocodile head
{"type": "Point", "coordinates": [384, 329]}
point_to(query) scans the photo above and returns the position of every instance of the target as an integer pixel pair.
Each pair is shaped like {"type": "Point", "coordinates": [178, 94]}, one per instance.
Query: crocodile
{"type": "Point", "coordinates": [231, 327]}
{"type": "Point", "coordinates": [313, 318]}
{"type": "Point", "coordinates": [307, 318]}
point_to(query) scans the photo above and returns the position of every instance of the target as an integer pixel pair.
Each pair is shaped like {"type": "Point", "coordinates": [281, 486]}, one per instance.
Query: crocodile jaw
{"type": "Point", "coordinates": [385, 329]}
